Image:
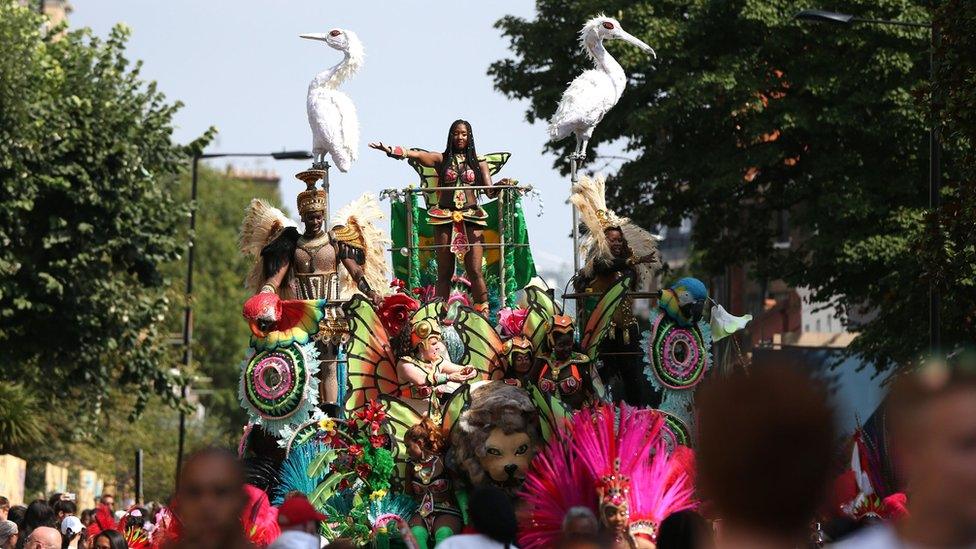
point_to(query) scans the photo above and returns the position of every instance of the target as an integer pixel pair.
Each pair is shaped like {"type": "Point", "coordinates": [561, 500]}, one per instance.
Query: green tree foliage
{"type": "Point", "coordinates": [748, 113]}
{"type": "Point", "coordinates": [952, 251]}
{"type": "Point", "coordinates": [87, 213]}
{"type": "Point", "coordinates": [220, 334]}
{"type": "Point", "coordinates": [21, 421]}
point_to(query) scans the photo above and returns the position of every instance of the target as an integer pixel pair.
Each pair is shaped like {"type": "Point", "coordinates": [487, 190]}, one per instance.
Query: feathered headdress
{"type": "Point", "coordinates": [607, 455]}
{"type": "Point", "coordinates": [358, 221]}
{"type": "Point", "coordinates": [263, 223]}
{"type": "Point", "coordinates": [589, 197]}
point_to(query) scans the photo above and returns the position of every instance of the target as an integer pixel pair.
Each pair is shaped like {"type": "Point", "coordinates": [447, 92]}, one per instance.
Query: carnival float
{"type": "Point", "coordinates": [386, 386]}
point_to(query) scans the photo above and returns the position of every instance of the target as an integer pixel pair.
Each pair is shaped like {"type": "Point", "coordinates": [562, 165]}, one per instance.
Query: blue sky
{"type": "Point", "coordinates": [240, 66]}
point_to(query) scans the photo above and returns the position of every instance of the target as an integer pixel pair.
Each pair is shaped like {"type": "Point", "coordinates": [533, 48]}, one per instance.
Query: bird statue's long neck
{"type": "Point", "coordinates": [334, 76]}
{"type": "Point", "coordinates": [605, 62]}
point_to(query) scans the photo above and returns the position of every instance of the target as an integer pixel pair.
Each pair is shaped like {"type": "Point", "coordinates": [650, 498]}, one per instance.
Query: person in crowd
{"type": "Point", "coordinates": [209, 499]}
{"type": "Point", "coordinates": [4, 507]}
{"type": "Point", "coordinates": [493, 517]}
{"type": "Point", "coordinates": [103, 517]}
{"type": "Point", "coordinates": [8, 534]}
{"type": "Point", "coordinates": [764, 455]}
{"type": "Point", "coordinates": [685, 530]}
{"type": "Point", "coordinates": [299, 523]}
{"type": "Point", "coordinates": [64, 507]}
{"type": "Point", "coordinates": [43, 537]}
{"type": "Point", "coordinates": [932, 428]}
{"type": "Point", "coordinates": [109, 539]}
{"type": "Point", "coordinates": [580, 521]}
{"type": "Point", "coordinates": [16, 515]}
{"type": "Point", "coordinates": [39, 514]}
{"type": "Point", "coordinates": [87, 517]}
{"type": "Point", "coordinates": [72, 532]}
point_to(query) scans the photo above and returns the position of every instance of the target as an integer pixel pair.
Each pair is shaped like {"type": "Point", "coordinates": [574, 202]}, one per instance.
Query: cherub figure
{"type": "Point", "coordinates": [427, 480]}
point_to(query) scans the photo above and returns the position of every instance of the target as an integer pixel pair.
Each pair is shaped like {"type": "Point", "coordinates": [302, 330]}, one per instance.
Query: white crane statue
{"type": "Point", "coordinates": [592, 94]}
{"type": "Point", "coordinates": [331, 114]}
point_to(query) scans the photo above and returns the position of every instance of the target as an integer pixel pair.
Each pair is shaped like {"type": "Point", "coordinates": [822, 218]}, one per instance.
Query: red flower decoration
{"type": "Point", "coordinates": [343, 484]}
{"type": "Point", "coordinates": [469, 176]}
{"type": "Point", "coordinates": [450, 174]}
{"type": "Point", "coordinates": [396, 310]}
{"type": "Point", "coordinates": [363, 470]}
{"type": "Point", "coordinates": [378, 441]}
{"type": "Point", "coordinates": [356, 451]}
{"type": "Point", "coordinates": [426, 293]}
{"type": "Point", "coordinates": [400, 285]}
{"type": "Point", "coordinates": [512, 320]}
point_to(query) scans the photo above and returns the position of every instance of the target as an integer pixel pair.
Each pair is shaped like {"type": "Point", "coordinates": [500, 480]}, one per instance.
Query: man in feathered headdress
{"type": "Point", "coordinates": [317, 264]}
{"type": "Point", "coordinates": [615, 247]}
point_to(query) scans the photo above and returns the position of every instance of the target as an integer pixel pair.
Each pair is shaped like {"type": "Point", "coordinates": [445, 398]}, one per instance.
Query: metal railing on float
{"type": "Point", "coordinates": [408, 195]}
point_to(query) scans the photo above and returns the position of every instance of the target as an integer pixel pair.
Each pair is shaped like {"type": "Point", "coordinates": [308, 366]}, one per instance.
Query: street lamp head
{"type": "Point", "coordinates": [291, 155]}
{"type": "Point", "coordinates": [822, 16]}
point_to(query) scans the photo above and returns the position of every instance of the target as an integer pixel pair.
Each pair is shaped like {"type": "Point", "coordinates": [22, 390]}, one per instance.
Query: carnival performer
{"type": "Point", "coordinates": [428, 373]}
{"type": "Point", "coordinates": [306, 266]}
{"type": "Point", "coordinates": [518, 361]}
{"type": "Point", "coordinates": [428, 481]}
{"type": "Point", "coordinates": [613, 248]}
{"type": "Point", "coordinates": [613, 461]}
{"type": "Point", "coordinates": [457, 218]}
{"type": "Point", "coordinates": [563, 372]}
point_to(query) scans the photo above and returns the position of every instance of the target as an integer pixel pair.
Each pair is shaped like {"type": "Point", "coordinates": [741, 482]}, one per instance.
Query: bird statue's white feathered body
{"type": "Point", "coordinates": [592, 94]}
{"type": "Point", "coordinates": [331, 113]}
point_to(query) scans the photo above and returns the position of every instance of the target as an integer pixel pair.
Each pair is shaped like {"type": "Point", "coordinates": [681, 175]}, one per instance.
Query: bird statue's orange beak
{"type": "Point", "coordinates": [253, 324]}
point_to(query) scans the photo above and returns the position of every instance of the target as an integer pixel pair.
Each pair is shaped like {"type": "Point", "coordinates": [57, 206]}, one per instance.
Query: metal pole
{"type": "Point", "coordinates": [325, 187]}
{"type": "Point", "coordinates": [935, 199]}
{"type": "Point", "coordinates": [574, 167]}
{"type": "Point", "coordinates": [501, 242]}
{"type": "Point", "coordinates": [139, 476]}
{"type": "Point", "coordinates": [187, 316]}
{"type": "Point", "coordinates": [410, 251]}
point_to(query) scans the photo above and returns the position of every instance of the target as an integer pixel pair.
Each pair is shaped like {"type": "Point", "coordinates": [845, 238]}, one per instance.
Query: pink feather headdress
{"type": "Point", "coordinates": [608, 455]}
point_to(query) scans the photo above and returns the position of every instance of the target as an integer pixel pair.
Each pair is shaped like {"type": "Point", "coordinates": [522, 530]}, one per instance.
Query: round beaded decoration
{"type": "Point", "coordinates": [678, 356]}
{"type": "Point", "coordinates": [275, 382]}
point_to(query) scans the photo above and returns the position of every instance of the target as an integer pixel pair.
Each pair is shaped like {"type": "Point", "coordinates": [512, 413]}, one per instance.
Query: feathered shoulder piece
{"type": "Point", "coordinates": [356, 233]}
{"type": "Point", "coordinates": [261, 238]}
{"type": "Point", "coordinates": [262, 224]}
{"type": "Point", "coordinates": [589, 197]}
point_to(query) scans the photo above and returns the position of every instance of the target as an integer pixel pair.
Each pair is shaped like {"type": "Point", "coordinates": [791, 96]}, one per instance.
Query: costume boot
{"type": "Point", "coordinates": [442, 534]}
{"type": "Point", "coordinates": [421, 535]}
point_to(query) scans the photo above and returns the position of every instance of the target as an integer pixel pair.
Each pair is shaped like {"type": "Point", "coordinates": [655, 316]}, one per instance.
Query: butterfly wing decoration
{"type": "Point", "coordinates": [431, 310]}
{"type": "Point", "coordinates": [451, 411]}
{"type": "Point", "coordinates": [483, 347]}
{"type": "Point", "coordinates": [369, 356]}
{"type": "Point", "coordinates": [400, 417]}
{"type": "Point", "coordinates": [541, 309]}
{"type": "Point", "coordinates": [553, 414]}
{"type": "Point", "coordinates": [298, 323]}
{"type": "Point", "coordinates": [429, 178]}
{"type": "Point", "coordinates": [599, 319]}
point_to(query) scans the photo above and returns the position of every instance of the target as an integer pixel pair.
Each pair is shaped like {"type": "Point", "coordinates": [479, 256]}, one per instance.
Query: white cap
{"type": "Point", "coordinates": [71, 525]}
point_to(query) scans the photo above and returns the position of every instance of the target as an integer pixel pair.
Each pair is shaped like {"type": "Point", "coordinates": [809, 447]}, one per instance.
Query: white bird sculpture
{"type": "Point", "coordinates": [331, 114]}
{"type": "Point", "coordinates": [592, 94]}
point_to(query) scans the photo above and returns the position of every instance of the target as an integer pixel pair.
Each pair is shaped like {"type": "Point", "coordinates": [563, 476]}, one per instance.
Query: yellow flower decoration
{"type": "Point", "coordinates": [377, 495]}
{"type": "Point", "coordinates": [327, 424]}
{"type": "Point", "coordinates": [457, 215]}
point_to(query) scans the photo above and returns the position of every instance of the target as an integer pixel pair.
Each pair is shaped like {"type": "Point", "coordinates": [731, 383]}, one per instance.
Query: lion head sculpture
{"type": "Point", "coordinates": [496, 437]}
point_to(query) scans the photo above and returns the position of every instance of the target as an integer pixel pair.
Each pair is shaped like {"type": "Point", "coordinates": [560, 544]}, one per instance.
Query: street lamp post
{"type": "Point", "coordinates": [935, 144]}
{"type": "Point", "coordinates": [188, 308]}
